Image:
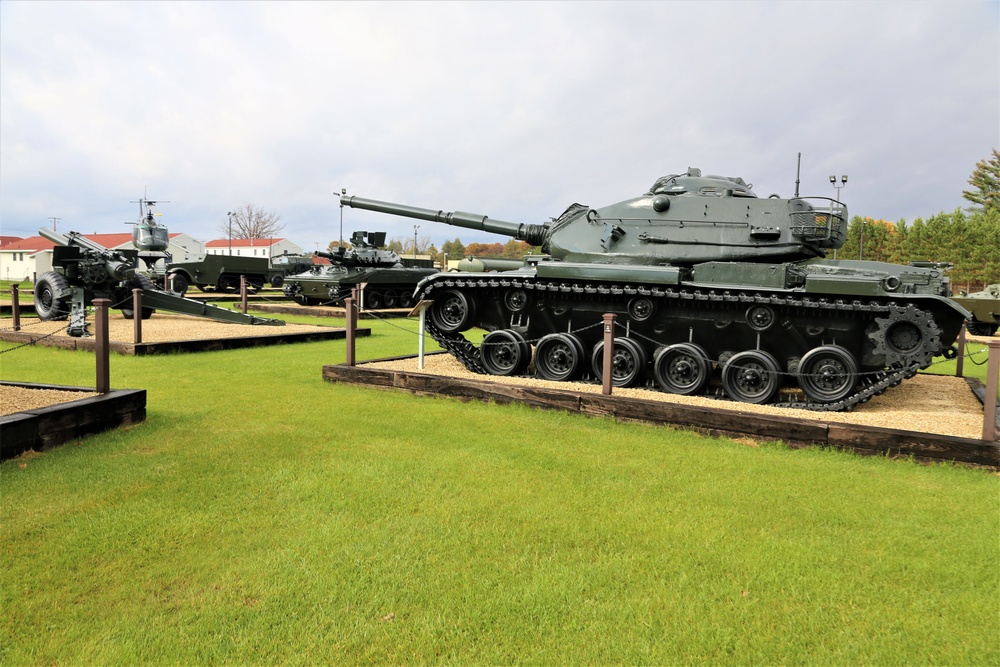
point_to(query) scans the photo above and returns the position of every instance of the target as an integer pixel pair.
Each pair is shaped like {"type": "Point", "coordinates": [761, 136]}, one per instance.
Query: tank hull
{"type": "Point", "coordinates": [389, 287]}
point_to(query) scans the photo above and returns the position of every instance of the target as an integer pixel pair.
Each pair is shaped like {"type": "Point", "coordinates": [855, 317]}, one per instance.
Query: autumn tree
{"type": "Point", "coordinates": [985, 180]}
{"type": "Point", "coordinates": [250, 222]}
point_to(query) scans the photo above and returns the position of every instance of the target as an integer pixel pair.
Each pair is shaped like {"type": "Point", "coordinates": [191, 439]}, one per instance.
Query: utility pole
{"type": "Point", "coordinates": [54, 222]}
{"type": "Point", "coordinates": [230, 214]}
{"type": "Point", "coordinates": [415, 228]}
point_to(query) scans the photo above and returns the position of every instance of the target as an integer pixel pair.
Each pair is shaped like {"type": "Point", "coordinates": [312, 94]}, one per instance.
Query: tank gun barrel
{"type": "Point", "coordinates": [332, 256]}
{"type": "Point", "coordinates": [533, 234]}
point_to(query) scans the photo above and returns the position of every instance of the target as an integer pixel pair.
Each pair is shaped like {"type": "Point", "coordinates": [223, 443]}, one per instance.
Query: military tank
{"type": "Point", "coordinates": [388, 278]}
{"type": "Point", "coordinates": [985, 309]}
{"type": "Point", "coordinates": [715, 291]}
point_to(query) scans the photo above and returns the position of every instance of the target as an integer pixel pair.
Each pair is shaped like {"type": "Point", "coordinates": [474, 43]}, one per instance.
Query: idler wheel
{"type": "Point", "coordinates": [559, 357]}
{"type": "Point", "coordinates": [505, 352]}
{"type": "Point", "coordinates": [452, 311]}
{"type": "Point", "coordinates": [683, 368]}
{"type": "Point", "coordinates": [828, 373]}
{"type": "Point", "coordinates": [53, 298]}
{"type": "Point", "coordinates": [628, 362]}
{"type": "Point", "coordinates": [751, 377]}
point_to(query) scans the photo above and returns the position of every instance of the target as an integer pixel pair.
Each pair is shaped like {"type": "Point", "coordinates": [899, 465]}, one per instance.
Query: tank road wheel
{"type": "Point", "coordinates": [682, 368]}
{"type": "Point", "coordinates": [751, 377]}
{"type": "Point", "coordinates": [640, 308]}
{"type": "Point", "coordinates": [827, 374]}
{"type": "Point", "coordinates": [628, 362]}
{"type": "Point", "coordinates": [559, 357]}
{"type": "Point", "coordinates": [389, 299]}
{"type": "Point", "coordinates": [977, 328]}
{"type": "Point", "coordinates": [53, 297]}
{"type": "Point", "coordinates": [505, 352]}
{"type": "Point", "coordinates": [254, 285]}
{"type": "Point", "coordinates": [372, 299]}
{"type": "Point", "coordinates": [452, 312]}
{"type": "Point", "coordinates": [907, 336]}
{"type": "Point", "coordinates": [406, 300]}
{"type": "Point", "coordinates": [226, 284]}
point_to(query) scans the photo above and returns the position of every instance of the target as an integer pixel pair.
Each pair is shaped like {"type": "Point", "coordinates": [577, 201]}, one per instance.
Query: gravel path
{"type": "Point", "coordinates": [926, 403]}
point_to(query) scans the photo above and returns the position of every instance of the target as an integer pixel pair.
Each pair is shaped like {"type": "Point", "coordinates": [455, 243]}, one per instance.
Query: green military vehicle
{"type": "Point", "coordinates": [715, 291]}
{"type": "Point", "coordinates": [221, 273]}
{"type": "Point", "coordinates": [985, 309]}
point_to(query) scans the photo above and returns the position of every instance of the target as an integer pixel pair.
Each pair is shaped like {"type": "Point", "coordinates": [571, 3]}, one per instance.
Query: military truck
{"type": "Point", "coordinates": [222, 273]}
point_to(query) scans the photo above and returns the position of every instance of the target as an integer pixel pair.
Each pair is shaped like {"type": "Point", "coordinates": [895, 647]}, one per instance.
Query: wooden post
{"type": "Point", "coordinates": [243, 292]}
{"type": "Point", "coordinates": [137, 316]}
{"type": "Point", "coordinates": [609, 352]}
{"type": "Point", "coordinates": [15, 306]}
{"type": "Point", "coordinates": [102, 350]}
{"type": "Point", "coordinates": [990, 400]}
{"type": "Point", "coordinates": [960, 365]}
{"type": "Point", "coordinates": [352, 320]}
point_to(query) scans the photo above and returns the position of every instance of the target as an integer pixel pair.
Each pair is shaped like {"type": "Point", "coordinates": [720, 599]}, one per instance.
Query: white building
{"type": "Point", "coordinates": [252, 247]}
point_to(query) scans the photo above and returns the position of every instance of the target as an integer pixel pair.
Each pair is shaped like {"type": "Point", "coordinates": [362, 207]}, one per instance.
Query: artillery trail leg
{"type": "Point", "coordinates": [609, 350]}
{"type": "Point", "coordinates": [990, 400]}
{"type": "Point", "coordinates": [102, 349]}
{"type": "Point", "coordinates": [15, 306]}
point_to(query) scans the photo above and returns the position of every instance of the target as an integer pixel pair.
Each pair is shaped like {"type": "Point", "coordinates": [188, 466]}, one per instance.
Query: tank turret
{"type": "Point", "coordinates": [715, 290]}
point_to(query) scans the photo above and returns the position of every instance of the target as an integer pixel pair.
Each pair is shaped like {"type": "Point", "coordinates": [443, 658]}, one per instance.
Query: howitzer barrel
{"type": "Point", "coordinates": [73, 239]}
{"type": "Point", "coordinates": [533, 234]}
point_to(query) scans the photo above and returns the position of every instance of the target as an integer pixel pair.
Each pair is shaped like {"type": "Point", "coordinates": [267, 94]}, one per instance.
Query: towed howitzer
{"type": "Point", "coordinates": [84, 270]}
{"type": "Point", "coordinates": [709, 284]}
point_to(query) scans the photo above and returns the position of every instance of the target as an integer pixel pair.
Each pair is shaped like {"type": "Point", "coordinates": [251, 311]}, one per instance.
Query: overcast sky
{"type": "Point", "coordinates": [514, 110]}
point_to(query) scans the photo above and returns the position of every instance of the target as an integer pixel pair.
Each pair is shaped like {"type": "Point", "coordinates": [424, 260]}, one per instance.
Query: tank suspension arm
{"type": "Point", "coordinates": [533, 234]}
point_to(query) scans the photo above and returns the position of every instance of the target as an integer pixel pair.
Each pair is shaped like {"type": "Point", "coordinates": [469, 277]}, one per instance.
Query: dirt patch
{"type": "Point", "coordinates": [926, 403]}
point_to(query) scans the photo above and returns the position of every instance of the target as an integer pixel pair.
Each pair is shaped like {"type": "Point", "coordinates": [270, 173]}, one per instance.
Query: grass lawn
{"type": "Point", "coordinates": [261, 515]}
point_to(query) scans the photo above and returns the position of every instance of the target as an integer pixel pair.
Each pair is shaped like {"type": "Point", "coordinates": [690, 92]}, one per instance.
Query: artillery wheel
{"type": "Point", "coordinates": [372, 299]}
{"type": "Point", "coordinates": [53, 297]}
{"type": "Point", "coordinates": [751, 376]}
{"type": "Point", "coordinates": [139, 281]}
{"type": "Point", "coordinates": [628, 362]}
{"type": "Point", "coordinates": [278, 280]}
{"type": "Point", "coordinates": [177, 283]}
{"type": "Point", "coordinates": [828, 373]}
{"type": "Point", "coordinates": [505, 352]}
{"type": "Point", "coordinates": [682, 369]}
{"type": "Point", "coordinates": [452, 312]}
{"type": "Point", "coordinates": [559, 357]}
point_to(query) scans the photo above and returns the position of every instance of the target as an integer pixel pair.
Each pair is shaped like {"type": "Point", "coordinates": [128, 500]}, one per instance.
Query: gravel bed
{"type": "Point", "coordinates": [21, 399]}
{"type": "Point", "coordinates": [166, 327]}
{"type": "Point", "coordinates": [926, 403]}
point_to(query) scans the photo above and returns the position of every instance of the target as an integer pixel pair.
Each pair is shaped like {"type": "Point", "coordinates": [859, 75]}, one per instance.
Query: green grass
{"type": "Point", "coordinates": [261, 515]}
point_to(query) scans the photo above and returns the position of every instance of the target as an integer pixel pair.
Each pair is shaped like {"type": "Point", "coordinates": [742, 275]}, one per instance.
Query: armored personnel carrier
{"type": "Point", "coordinates": [715, 290]}
{"type": "Point", "coordinates": [388, 278]}
{"type": "Point", "coordinates": [985, 309]}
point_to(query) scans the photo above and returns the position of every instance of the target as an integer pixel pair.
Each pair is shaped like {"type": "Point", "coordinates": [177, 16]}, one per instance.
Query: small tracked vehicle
{"type": "Point", "coordinates": [715, 290]}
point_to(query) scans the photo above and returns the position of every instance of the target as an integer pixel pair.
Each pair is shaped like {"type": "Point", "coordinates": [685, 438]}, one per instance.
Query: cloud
{"type": "Point", "coordinates": [509, 109]}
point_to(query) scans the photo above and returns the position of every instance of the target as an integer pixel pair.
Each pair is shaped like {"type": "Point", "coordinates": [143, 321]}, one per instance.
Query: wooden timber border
{"type": "Point", "coordinates": [869, 440]}
{"type": "Point", "coordinates": [329, 311]}
{"type": "Point", "coordinates": [44, 428]}
{"type": "Point", "coordinates": [167, 347]}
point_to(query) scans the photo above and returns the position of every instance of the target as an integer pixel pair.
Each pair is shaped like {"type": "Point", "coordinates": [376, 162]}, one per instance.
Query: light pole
{"type": "Point", "coordinates": [340, 246]}
{"type": "Point", "coordinates": [843, 182]}
{"type": "Point", "coordinates": [230, 214]}
{"type": "Point", "coordinates": [415, 228]}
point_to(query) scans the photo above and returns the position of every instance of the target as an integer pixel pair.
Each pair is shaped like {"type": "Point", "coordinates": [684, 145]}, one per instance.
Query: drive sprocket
{"type": "Point", "coordinates": [906, 336]}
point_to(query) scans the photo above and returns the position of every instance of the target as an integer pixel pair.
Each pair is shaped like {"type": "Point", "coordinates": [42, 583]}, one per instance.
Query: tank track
{"type": "Point", "coordinates": [872, 384]}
